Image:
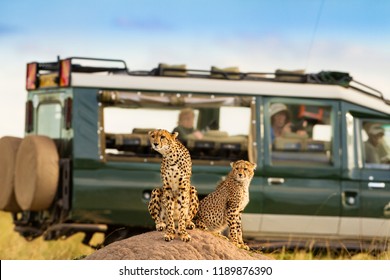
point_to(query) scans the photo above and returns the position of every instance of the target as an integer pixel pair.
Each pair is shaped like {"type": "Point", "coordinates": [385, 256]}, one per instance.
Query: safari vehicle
{"type": "Point", "coordinates": [86, 165]}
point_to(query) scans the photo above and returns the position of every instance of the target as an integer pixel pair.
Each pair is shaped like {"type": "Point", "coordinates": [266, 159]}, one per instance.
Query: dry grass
{"type": "Point", "coordinates": [328, 255]}
{"type": "Point", "coordinates": [14, 247]}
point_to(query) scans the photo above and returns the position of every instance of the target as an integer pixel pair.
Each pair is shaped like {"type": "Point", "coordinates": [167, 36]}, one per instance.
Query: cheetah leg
{"type": "Point", "coordinates": [241, 243]}
{"type": "Point", "coordinates": [183, 202]}
{"type": "Point", "coordinates": [233, 224]}
{"type": "Point", "coordinates": [169, 208]}
{"type": "Point", "coordinates": [193, 208]}
{"type": "Point", "coordinates": [155, 209]}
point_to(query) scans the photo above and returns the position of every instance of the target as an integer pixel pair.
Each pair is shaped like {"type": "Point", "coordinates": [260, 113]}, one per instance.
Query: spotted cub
{"type": "Point", "coordinates": [223, 207]}
{"type": "Point", "coordinates": [177, 199]}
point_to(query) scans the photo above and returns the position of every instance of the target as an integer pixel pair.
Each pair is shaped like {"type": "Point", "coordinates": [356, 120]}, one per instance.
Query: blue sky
{"type": "Point", "coordinates": [315, 35]}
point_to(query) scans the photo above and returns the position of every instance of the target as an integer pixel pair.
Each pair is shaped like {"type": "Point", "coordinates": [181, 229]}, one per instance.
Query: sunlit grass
{"type": "Point", "coordinates": [15, 247]}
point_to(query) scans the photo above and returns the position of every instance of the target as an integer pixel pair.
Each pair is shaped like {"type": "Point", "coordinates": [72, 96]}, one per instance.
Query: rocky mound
{"type": "Point", "coordinates": [151, 246]}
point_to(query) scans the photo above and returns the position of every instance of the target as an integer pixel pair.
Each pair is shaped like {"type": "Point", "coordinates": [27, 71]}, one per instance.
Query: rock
{"type": "Point", "coordinates": [151, 246]}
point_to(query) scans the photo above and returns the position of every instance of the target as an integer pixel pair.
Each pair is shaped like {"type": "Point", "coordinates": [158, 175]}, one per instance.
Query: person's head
{"type": "Point", "coordinates": [186, 118]}
{"type": "Point", "coordinates": [375, 133]}
{"type": "Point", "coordinates": [279, 114]}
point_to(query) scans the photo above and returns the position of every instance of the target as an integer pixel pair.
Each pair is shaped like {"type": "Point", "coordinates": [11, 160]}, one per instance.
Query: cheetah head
{"type": "Point", "coordinates": [161, 140]}
{"type": "Point", "coordinates": [242, 170]}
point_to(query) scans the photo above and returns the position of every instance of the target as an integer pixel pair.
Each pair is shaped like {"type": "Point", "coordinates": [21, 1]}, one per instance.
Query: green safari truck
{"type": "Point", "coordinates": [86, 165]}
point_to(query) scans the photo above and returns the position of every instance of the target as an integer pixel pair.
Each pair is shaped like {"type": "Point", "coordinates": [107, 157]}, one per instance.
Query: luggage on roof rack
{"type": "Point", "coordinates": [333, 77]}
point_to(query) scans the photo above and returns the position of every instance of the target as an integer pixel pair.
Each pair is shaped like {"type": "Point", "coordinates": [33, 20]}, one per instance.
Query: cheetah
{"type": "Point", "coordinates": [177, 199]}
{"type": "Point", "coordinates": [224, 206]}
{"type": "Point", "coordinates": [157, 210]}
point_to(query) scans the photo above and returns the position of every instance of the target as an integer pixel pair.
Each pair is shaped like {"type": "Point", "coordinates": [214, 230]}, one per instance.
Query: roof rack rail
{"type": "Point", "coordinates": [93, 69]}
{"type": "Point", "coordinates": [78, 67]}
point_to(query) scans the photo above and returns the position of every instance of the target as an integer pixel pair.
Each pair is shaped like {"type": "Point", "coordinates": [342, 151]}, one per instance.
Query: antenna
{"type": "Point", "coordinates": [314, 33]}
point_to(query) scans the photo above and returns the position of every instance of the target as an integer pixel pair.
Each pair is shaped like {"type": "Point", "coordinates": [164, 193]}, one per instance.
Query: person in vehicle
{"type": "Point", "coordinates": [280, 121]}
{"type": "Point", "coordinates": [186, 125]}
{"type": "Point", "coordinates": [376, 148]}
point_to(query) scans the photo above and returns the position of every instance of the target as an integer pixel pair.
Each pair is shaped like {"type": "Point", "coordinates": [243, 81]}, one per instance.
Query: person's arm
{"type": "Point", "coordinates": [371, 154]}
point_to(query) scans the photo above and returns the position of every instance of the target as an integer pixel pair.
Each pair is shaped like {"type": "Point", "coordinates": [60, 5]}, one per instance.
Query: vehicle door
{"type": "Point", "coordinates": [301, 168]}
{"type": "Point", "coordinates": [374, 143]}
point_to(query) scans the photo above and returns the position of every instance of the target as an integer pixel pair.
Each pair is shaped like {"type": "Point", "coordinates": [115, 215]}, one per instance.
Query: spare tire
{"type": "Point", "coordinates": [8, 149]}
{"type": "Point", "coordinates": [36, 173]}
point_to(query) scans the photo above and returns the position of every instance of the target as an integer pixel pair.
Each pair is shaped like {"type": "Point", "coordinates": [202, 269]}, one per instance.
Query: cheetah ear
{"type": "Point", "coordinates": [254, 165]}
{"type": "Point", "coordinates": [232, 164]}
{"type": "Point", "coordinates": [150, 132]}
{"type": "Point", "coordinates": [174, 135]}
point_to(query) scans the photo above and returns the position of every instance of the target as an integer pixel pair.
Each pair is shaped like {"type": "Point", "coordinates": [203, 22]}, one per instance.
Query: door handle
{"type": "Point", "coordinates": [376, 185]}
{"type": "Point", "coordinates": [275, 181]}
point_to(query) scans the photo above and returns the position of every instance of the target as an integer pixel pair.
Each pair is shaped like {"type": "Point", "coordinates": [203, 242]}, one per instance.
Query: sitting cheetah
{"type": "Point", "coordinates": [157, 210]}
{"type": "Point", "coordinates": [223, 207]}
{"type": "Point", "coordinates": [176, 197]}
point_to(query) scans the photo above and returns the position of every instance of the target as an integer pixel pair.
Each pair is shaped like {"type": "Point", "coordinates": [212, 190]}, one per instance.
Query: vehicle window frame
{"type": "Point", "coordinates": [361, 145]}
{"type": "Point", "coordinates": [251, 151]}
{"type": "Point", "coordinates": [334, 160]}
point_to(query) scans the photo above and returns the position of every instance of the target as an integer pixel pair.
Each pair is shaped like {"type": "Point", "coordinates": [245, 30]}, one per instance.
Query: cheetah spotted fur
{"type": "Point", "coordinates": [176, 199]}
{"type": "Point", "coordinates": [224, 206]}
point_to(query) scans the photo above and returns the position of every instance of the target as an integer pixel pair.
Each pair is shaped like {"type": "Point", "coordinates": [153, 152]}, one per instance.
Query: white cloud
{"type": "Point", "coordinates": [367, 63]}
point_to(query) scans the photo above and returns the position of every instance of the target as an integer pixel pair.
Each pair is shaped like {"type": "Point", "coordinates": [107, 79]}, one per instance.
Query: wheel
{"type": "Point", "coordinates": [8, 149]}
{"type": "Point", "coordinates": [36, 173]}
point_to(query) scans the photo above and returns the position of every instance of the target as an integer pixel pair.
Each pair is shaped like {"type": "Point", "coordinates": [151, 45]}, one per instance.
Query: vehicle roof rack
{"type": "Point", "coordinates": [297, 76]}
{"type": "Point", "coordinates": [96, 65]}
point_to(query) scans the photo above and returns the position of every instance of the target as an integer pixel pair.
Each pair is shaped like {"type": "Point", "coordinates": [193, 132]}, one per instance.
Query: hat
{"type": "Point", "coordinates": [376, 129]}
{"type": "Point", "coordinates": [277, 108]}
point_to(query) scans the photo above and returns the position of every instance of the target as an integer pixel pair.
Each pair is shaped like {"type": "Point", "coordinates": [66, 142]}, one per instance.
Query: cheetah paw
{"type": "Point", "coordinates": [190, 225]}
{"type": "Point", "coordinates": [169, 237]}
{"type": "Point", "coordinates": [185, 237]}
{"type": "Point", "coordinates": [242, 246]}
{"type": "Point", "coordinates": [160, 226]}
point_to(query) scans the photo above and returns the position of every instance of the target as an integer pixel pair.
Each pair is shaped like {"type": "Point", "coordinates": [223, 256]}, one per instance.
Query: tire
{"type": "Point", "coordinates": [8, 150]}
{"type": "Point", "coordinates": [36, 173]}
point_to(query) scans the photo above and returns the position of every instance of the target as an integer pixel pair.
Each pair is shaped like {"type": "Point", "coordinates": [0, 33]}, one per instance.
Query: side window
{"type": "Point", "coordinates": [214, 128]}
{"type": "Point", "coordinates": [300, 134]}
{"type": "Point", "coordinates": [375, 137]}
{"type": "Point", "coordinates": [49, 120]}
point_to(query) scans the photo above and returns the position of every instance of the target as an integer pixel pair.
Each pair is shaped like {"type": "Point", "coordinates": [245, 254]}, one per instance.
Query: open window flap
{"type": "Point", "coordinates": [141, 99]}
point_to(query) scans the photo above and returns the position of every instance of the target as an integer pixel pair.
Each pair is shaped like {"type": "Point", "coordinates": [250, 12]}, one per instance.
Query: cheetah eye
{"type": "Point", "coordinates": [162, 137]}
{"type": "Point", "coordinates": [245, 169]}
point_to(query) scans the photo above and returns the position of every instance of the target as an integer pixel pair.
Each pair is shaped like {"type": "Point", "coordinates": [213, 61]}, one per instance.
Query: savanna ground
{"type": "Point", "coordinates": [14, 247]}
